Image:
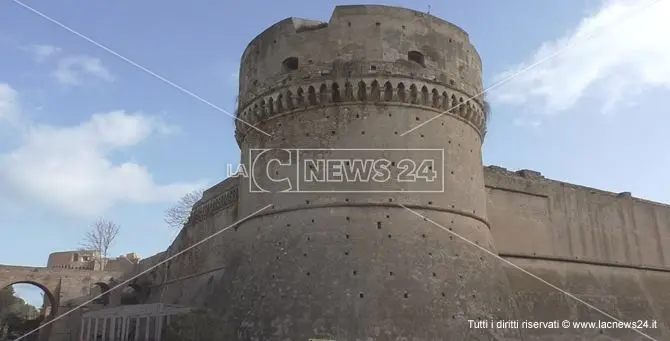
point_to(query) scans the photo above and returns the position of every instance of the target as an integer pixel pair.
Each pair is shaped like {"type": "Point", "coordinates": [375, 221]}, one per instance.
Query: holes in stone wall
{"type": "Point", "coordinates": [290, 64]}
{"type": "Point", "coordinates": [417, 57]}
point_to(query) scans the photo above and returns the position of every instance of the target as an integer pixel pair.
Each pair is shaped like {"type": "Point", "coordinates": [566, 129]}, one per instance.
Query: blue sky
{"type": "Point", "coordinates": [84, 134]}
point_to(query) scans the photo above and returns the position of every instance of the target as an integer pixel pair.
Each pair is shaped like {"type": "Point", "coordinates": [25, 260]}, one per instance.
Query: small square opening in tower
{"type": "Point", "coordinates": [290, 64]}
{"type": "Point", "coordinates": [416, 57]}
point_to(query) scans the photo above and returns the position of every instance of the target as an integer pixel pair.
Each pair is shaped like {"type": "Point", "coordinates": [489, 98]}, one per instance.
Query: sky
{"type": "Point", "coordinates": [579, 92]}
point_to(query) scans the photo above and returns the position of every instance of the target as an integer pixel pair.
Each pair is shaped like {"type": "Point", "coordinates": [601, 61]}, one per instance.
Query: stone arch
{"type": "Point", "coordinates": [402, 96]}
{"type": "Point", "coordinates": [103, 293]}
{"type": "Point", "coordinates": [280, 104]}
{"type": "Point", "coordinates": [348, 92]}
{"type": "Point", "coordinates": [335, 92]}
{"type": "Point", "coordinates": [53, 303]}
{"type": "Point", "coordinates": [271, 107]}
{"type": "Point", "coordinates": [468, 110]}
{"type": "Point", "coordinates": [435, 102]}
{"type": "Point", "coordinates": [362, 91]}
{"type": "Point", "coordinates": [375, 92]}
{"type": "Point", "coordinates": [388, 91]}
{"type": "Point", "coordinates": [454, 104]}
{"type": "Point", "coordinates": [289, 100]}
{"type": "Point", "coordinates": [300, 99]}
{"type": "Point", "coordinates": [311, 95]}
{"type": "Point", "coordinates": [424, 96]}
{"type": "Point", "coordinates": [255, 112]}
{"type": "Point", "coordinates": [261, 110]}
{"type": "Point", "coordinates": [413, 94]}
{"type": "Point", "coordinates": [461, 107]}
{"type": "Point", "coordinates": [132, 294]}
{"type": "Point", "coordinates": [445, 100]}
{"type": "Point", "coordinates": [323, 94]}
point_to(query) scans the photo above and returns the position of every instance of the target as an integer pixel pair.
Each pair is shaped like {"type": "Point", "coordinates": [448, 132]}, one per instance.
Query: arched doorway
{"type": "Point", "coordinates": [100, 289]}
{"type": "Point", "coordinates": [132, 294]}
{"type": "Point", "coordinates": [21, 312]}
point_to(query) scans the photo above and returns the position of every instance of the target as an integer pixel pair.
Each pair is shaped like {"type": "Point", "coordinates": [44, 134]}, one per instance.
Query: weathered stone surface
{"type": "Point", "coordinates": [361, 266]}
{"type": "Point", "coordinates": [61, 286]}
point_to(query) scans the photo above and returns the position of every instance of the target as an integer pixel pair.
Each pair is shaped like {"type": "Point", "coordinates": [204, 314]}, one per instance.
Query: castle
{"type": "Point", "coordinates": [389, 260]}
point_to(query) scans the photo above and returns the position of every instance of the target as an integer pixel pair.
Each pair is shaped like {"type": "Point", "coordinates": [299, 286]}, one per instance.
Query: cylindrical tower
{"type": "Point", "coordinates": [362, 260]}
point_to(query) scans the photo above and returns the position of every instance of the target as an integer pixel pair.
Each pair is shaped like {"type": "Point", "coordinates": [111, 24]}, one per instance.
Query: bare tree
{"type": "Point", "coordinates": [177, 215]}
{"type": "Point", "coordinates": [100, 237]}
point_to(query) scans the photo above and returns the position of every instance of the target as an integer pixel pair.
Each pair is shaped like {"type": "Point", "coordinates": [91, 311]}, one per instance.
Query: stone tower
{"type": "Point", "coordinates": [379, 263]}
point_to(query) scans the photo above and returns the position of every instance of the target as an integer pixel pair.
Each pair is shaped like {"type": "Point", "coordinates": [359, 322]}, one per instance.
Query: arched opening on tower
{"type": "Point", "coordinates": [24, 306]}
{"type": "Point", "coordinates": [132, 294]}
{"type": "Point", "coordinates": [102, 290]}
{"type": "Point", "coordinates": [290, 64]}
{"type": "Point", "coordinates": [417, 57]}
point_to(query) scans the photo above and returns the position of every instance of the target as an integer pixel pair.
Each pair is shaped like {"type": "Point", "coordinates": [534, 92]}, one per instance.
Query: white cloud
{"type": "Point", "coordinates": [70, 167]}
{"type": "Point", "coordinates": [614, 55]}
{"type": "Point", "coordinates": [9, 104]}
{"type": "Point", "coordinates": [527, 123]}
{"type": "Point", "coordinates": [73, 70]}
{"type": "Point", "coordinates": [42, 52]}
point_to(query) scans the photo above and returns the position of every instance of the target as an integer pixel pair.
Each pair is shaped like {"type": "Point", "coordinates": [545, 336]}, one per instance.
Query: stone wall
{"type": "Point", "coordinates": [605, 248]}
{"type": "Point", "coordinates": [351, 266]}
{"type": "Point", "coordinates": [64, 289]}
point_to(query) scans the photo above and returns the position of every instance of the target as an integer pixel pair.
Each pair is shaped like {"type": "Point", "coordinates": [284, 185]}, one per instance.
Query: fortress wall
{"type": "Point", "coordinates": [590, 243]}
{"type": "Point", "coordinates": [572, 222]}
{"type": "Point", "coordinates": [189, 273]}
{"type": "Point", "coordinates": [624, 293]}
